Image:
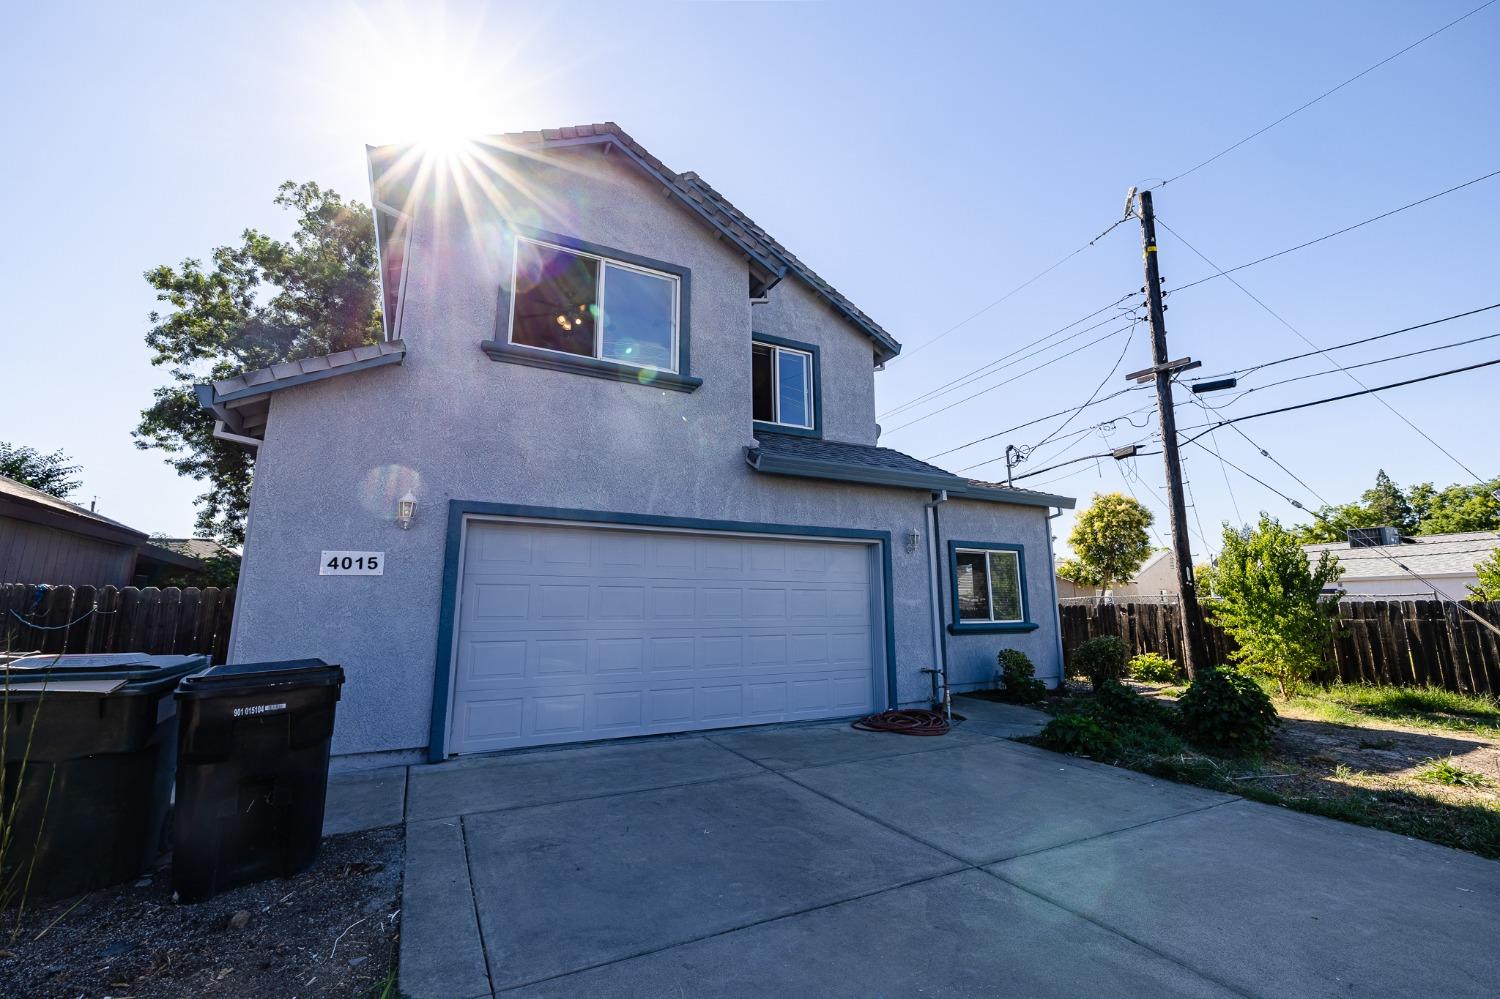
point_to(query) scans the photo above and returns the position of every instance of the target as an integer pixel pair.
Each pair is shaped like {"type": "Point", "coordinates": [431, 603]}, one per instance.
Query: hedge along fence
{"type": "Point", "coordinates": [76, 619]}
{"type": "Point", "coordinates": [1397, 642]}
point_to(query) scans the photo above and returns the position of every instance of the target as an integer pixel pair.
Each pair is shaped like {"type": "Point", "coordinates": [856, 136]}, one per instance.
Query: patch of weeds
{"type": "Point", "coordinates": [1444, 771]}
{"type": "Point", "coordinates": [1419, 707]}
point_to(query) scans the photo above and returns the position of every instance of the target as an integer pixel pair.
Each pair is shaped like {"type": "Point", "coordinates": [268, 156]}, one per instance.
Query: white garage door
{"type": "Point", "coordinates": [574, 633]}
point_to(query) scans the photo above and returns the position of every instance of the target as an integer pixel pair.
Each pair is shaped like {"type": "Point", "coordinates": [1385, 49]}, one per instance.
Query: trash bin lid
{"type": "Point", "coordinates": [131, 671]}
{"type": "Point", "coordinates": [234, 678]}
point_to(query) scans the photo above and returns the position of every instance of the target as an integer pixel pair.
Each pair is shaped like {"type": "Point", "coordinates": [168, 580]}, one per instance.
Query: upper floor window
{"type": "Point", "coordinates": [989, 586]}
{"type": "Point", "coordinates": [580, 303]}
{"type": "Point", "coordinates": [783, 385]}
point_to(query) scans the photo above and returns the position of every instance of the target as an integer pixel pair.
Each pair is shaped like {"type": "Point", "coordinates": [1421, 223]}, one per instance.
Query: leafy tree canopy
{"type": "Point", "coordinates": [1269, 600]}
{"type": "Point", "coordinates": [1422, 509]}
{"type": "Point", "coordinates": [256, 304]}
{"type": "Point", "coordinates": [50, 473]}
{"type": "Point", "coordinates": [1110, 541]}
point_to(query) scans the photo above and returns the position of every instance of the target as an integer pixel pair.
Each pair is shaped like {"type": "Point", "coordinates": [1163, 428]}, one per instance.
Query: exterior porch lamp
{"type": "Point", "coordinates": [406, 509]}
{"type": "Point", "coordinates": [913, 538]}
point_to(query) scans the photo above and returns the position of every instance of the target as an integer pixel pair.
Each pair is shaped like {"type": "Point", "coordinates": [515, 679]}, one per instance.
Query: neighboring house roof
{"type": "Point", "coordinates": [394, 170]}
{"type": "Point", "coordinates": [814, 458]}
{"type": "Point", "coordinates": [1424, 554]}
{"type": "Point", "coordinates": [198, 548]}
{"type": "Point", "coordinates": [242, 401]}
{"type": "Point", "coordinates": [27, 503]}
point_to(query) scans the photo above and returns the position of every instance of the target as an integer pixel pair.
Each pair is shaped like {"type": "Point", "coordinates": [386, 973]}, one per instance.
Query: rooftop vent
{"type": "Point", "coordinates": [1371, 537]}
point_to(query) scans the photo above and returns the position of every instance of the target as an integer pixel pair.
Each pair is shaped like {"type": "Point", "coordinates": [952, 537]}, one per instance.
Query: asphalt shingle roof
{"type": "Point", "coordinates": [20, 491]}
{"type": "Point", "coordinates": [1427, 555]}
{"type": "Point", "coordinates": [839, 452]}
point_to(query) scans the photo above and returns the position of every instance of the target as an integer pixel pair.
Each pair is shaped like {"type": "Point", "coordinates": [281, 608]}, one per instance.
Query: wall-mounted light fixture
{"type": "Point", "coordinates": [913, 538]}
{"type": "Point", "coordinates": [406, 509]}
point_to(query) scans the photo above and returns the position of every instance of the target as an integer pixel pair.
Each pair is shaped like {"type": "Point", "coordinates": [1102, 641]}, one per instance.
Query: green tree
{"type": "Point", "coordinates": [1203, 579]}
{"type": "Point", "coordinates": [1488, 588]}
{"type": "Point", "coordinates": [1382, 505]}
{"type": "Point", "coordinates": [1270, 602]}
{"type": "Point", "coordinates": [50, 473]}
{"type": "Point", "coordinates": [258, 303]}
{"type": "Point", "coordinates": [1388, 504]}
{"type": "Point", "coordinates": [1458, 508]}
{"type": "Point", "coordinates": [1110, 541]}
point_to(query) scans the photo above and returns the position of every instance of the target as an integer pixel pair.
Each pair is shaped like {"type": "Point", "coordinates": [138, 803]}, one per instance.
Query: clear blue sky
{"type": "Point", "coordinates": [926, 158]}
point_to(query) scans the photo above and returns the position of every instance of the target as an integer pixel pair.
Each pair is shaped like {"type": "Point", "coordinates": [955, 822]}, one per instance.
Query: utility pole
{"type": "Point", "coordinates": [1161, 371]}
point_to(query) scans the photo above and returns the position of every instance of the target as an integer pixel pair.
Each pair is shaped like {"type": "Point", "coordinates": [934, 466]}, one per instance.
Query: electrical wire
{"type": "Point", "coordinates": [1327, 93]}
{"type": "Point", "coordinates": [1039, 419]}
{"type": "Point", "coordinates": [1350, 367]}
{"type": "Point", "coordinates": [1324, 352]}
{"type": "Point", "coordinates": [1129, 339]}
{"type": "Point", "coordinates": [1024, 284]}
{"type": "Point", "coordinates": [1340, 346]}
{"type": "Point", "coordinates": [988, 368]}
{"type": "Point", "coordinates": [1326, 236]}
{"type": "Point", "coordinates": [1350, 395]}
{"type": "Point", "coordinates": [1007, 381]}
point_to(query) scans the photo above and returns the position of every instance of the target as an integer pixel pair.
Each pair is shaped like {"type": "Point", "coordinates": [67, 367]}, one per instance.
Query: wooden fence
{"type": "Point", "coordinates": [56, 619]}
{"type": "Point", "coordinates": [1401, 642]}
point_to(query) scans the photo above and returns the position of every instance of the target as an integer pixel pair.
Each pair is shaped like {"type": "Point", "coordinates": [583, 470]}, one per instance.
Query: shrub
{"type": "Point", "coordinates": [1101, 659]}
{"type": "Point", "coordinates": [1080, 735]}
{"type": "Point", "coordinates": [1153, 667]}
{"type": "Point", "coordinates": [1019, 677]}
{"type": "Point", "coordinates": [1226, 711]}
{"type": "Point", "coordinates": [1116, 705]}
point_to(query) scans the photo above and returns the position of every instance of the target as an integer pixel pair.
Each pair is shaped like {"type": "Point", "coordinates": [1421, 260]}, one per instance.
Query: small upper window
{"type": "Point", "coordinates": [781, 385]}
{"type": "Point", "coordinates": [583, 304]}
{"type": "Point", "coordinates": [988, 585]}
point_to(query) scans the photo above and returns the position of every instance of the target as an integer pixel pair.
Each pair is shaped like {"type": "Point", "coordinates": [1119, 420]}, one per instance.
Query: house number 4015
{"type": "Point", "coordinates": [351, 564]}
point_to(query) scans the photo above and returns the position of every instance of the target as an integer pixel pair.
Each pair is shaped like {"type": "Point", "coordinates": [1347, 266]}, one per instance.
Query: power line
{"type": "Point", "coordinates": [1326, 236]}
{"type": "Point", "coordinates": [996, 364]}
{"type": "Point", "coordinates": [1364, 364]}
{"type": "Point", "coordinates": [1324, 352]}
{"type": "Point", "coordinates": [1341, 346]}
{"type": "Point", "coordinates": [1340, 398]}
{"type": "Point", "coordinates": [1039, 419]}
{"type": "Point", "coordinates": [1327, 93]}
{"type": "Point", "coordinates": [1007, 381]}
{"type": "Point", "coordinates": [1024, 284]}
{"type": "Point", "coordinates": [1129, 339]}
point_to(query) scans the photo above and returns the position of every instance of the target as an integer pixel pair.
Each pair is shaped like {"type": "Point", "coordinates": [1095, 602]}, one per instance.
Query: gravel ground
{"type": "Point", "coordinates": [330, 931]}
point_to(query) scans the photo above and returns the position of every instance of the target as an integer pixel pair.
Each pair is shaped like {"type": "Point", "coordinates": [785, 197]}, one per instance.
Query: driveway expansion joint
{"type": "Point", "coordinates": [484, 950]}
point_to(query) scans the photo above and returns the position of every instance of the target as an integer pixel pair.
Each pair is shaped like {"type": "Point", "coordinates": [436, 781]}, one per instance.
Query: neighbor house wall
{"type": "Point", "coordinates": [452, 424]}
{"type": "Point", "coordinates": [35, 553]}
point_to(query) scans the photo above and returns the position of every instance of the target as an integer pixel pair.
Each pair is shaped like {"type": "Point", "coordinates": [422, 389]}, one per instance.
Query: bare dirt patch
{"type": "Point", "coordinates": [330, 931]}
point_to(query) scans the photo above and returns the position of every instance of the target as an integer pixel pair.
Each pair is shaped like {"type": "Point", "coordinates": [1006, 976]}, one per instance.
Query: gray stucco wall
{"type": "Point", "coordinates": [452, 424]}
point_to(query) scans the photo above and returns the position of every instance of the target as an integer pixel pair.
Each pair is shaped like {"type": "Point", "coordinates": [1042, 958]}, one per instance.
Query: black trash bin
{"type": "Point", "coordinates": [90, 743]}
{"type": "Point", "coordinates": [252, 772]}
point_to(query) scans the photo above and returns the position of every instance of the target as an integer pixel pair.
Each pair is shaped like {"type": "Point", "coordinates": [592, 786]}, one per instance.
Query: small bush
{"type": "Point", "coordinates": [1227, 712]}
{"type": "Point", "coordinates": [1153, 667]}
{"type": "Point", "coordinates": [1019, 677]}
{"type": "Point", "coordinates": [1117, 705]}
{"type": "Point", "coordinates": [1101, 659]}
{"type": "Point", "coordinates": [1080, 735]}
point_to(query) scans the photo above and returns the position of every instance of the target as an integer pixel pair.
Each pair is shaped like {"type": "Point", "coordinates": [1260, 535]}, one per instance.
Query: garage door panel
{"type": "Point", "coordinates": [572, 633]}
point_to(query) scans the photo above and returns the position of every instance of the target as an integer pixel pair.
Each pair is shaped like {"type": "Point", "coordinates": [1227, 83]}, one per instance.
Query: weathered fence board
{"type": "Point", "coordinates": [58, 619]}
{"type": "Point", "coordinates": [1403, 642]}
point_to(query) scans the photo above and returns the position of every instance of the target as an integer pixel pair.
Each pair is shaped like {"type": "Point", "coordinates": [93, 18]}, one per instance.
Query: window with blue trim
{"type": "Point", "coordinates": [988, 586]}
{"type": "Point", "coordinates": [782, 385]}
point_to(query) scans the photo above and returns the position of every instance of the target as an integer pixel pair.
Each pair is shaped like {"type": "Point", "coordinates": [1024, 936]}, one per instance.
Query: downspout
{"type": "Point", "coordinates": [939, 633]}
{"type": "Point", "coordinates": [1056, 607]}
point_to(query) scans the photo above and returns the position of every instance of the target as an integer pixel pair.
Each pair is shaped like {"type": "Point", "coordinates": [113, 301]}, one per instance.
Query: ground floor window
{"type": "Point", "coordinates": [989, 583]}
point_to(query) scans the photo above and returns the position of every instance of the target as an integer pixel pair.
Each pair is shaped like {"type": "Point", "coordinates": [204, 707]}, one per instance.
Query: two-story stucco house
{"type": "Point", "coordinates": [649, 496]}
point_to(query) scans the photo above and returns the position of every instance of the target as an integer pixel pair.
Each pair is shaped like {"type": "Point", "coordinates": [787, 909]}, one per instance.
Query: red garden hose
{"type": "Point", "coordinates": [911, 721]}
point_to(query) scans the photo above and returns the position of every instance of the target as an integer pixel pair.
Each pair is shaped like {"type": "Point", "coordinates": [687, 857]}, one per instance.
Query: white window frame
{"type": "Point", "coordinates": [599, 303]}
{"type": "Point", "coordinates": [989, 602]}
{"type": "Point", "coordinates": [807, 385]}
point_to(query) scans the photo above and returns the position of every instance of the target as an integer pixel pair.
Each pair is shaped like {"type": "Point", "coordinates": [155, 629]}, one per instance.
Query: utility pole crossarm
{"type": "Point", "coordinates": [1161, 371]}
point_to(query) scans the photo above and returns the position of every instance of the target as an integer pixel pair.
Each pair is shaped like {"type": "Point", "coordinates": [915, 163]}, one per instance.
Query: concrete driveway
{"type": "Point", "coordinates": [821, 861]}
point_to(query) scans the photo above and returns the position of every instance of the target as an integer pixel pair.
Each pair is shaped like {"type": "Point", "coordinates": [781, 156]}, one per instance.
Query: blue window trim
{"type": "Point", "coordinates": [816, 430]}
{"type": "Point", "coordinates": [460, 510]}
{"type": "Point", "coordinates": [501, 349]}
{"type": "Point", "coordinates": [957, 627]}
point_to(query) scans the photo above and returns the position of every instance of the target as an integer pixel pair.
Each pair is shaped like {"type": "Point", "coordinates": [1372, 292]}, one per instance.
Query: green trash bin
{"type": "Point", "coordinates": [90, 750]}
